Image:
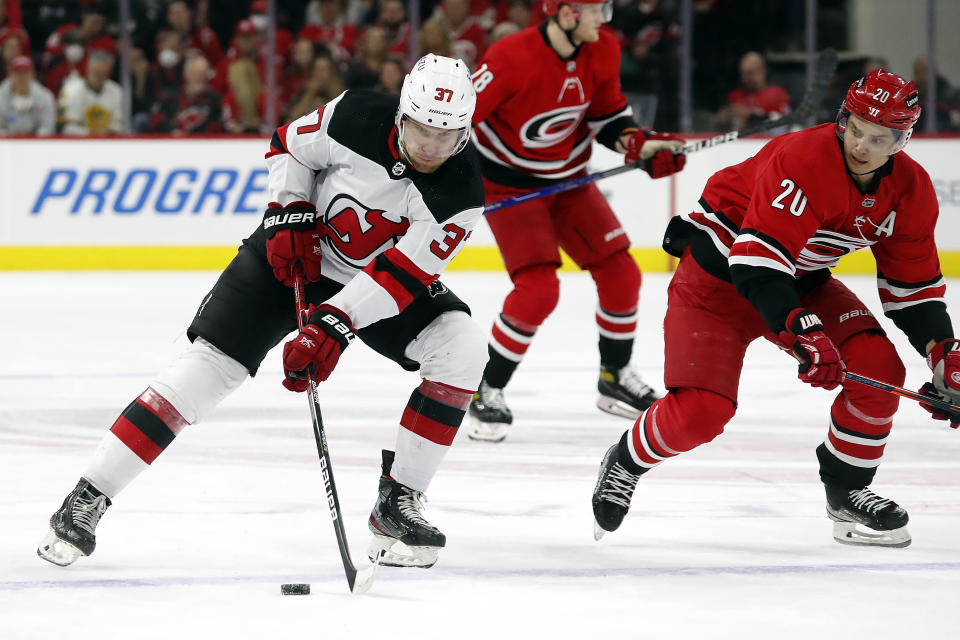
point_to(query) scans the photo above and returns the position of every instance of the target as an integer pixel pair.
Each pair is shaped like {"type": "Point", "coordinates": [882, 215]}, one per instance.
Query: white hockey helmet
{"type": "Point", "coordinates": [438, 92]}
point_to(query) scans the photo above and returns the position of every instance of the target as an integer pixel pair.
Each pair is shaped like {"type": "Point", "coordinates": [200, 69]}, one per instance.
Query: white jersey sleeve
{"type": "Point", "coordinates": [292, 174]}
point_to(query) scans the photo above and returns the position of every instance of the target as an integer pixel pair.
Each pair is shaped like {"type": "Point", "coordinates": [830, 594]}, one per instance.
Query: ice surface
{"type": "Point", "coordinates": [729, 541]}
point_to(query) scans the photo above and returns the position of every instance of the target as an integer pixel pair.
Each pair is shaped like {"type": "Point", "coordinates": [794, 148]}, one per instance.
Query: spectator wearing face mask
{"type": "Point", "coordinates": [93, 105]}
{"type": "Point", "coordinates": [168, 69]}
{"type": "Point", "coordinates": [91, 33]}
{"type": "Point", "coordinates": [69, 63]}
{"type": "Point", "coordinates": [26, 106]}
{"type": "Point", "coordinates": [283, 44]}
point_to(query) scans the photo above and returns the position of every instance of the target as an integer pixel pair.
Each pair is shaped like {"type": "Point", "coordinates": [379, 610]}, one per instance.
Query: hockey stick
{"type": "Point", "coordinates": [936, 403]}
{"type": "Point", "coordinates": [826, 66]}
{"type": "Point", "coordinates": [358, 581]}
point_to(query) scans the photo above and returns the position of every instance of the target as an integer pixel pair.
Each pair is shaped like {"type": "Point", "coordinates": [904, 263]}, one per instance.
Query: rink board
{"type": "Point", "coordinates": [138, 203]}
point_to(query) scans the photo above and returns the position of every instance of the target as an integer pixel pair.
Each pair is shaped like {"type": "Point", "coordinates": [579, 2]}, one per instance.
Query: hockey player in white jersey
{"type": "Point", "coordinates": [371, 197]}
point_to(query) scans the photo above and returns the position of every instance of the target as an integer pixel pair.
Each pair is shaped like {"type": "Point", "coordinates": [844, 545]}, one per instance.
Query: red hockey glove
{"type": "Point", "coordinates": [944, 361]}
{"type": "Point", "coordinates": [661, 153]}
{"type": "Point", "coordinates": [820, 362]}
{"type": "Point", "coordinates": [321, 341]}
{"type": "Point", "coordinates": [292, 237]}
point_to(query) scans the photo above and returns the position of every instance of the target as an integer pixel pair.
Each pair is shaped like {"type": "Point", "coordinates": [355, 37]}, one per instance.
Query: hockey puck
{"type": "Point", "coordinates": [295, 589]}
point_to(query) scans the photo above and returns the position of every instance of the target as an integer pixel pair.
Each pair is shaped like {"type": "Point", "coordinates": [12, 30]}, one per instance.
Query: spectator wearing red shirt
{"type": "Point", "coordinates": [261, 20]}
{"type": "Point", "coordinates": [71, 61]}
{"type": "Point", "coordinates": [755, 100]}
{"type": "Point", "coordinates": [242, 76]}
{"type": "Point", "coordinates": [10, 47]}
{"type": "Point", "coordinates": [393, 20]}
{"type": "Point", "coordinates": [194, 109]}
{"type": "Point", "coordinates": [11, 23]}
{"type": "Point", "coordinates": [245, 45]}
{"type": "Point", "coordinates": [329, 26]}
{"type": "Point", "coordinates": [91, 30]}
{"type": "Point", "coordinates": [468, 38]}
{"type": "Point", "coordinates": [300, 67]}
{"type": "Point", "coordinates": [200, 40]}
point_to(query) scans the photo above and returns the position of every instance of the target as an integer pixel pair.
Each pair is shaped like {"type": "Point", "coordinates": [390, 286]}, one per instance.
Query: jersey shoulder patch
{"type": "Point", "coordinates": [453, 188]}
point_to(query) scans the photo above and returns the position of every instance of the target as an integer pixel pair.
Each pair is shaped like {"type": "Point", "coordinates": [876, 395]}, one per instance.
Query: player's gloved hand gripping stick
{"type": "Point", "coordinates": [826, 66]}
{"type": "Point", "coordinates": [359, 581]}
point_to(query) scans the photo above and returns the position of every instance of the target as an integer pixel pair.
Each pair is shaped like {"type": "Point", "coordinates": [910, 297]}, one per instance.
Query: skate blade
{"type": "Point", "coordinates": [418, 557]}
{"type": "Point", "coordinates": [598, 531]}
{"type": "Point", "coordinates": [58, 551]}
{"type": "Point", "coordinates": [617, 408]}
{"type": "Point", "coordinates": [853, 533]}
{"type": "Point", "coordinates": [486, 431]}
{"type": "Point", "coordinates": [364, 578]}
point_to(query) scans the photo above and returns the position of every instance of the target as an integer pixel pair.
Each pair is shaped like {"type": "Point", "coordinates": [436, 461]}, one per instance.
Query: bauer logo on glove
{"type": "Point", "coordinates": [339, 326]}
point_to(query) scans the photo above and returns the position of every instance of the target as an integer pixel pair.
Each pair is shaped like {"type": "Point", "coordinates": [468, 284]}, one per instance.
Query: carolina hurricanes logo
{"type": "Point", "coordinates": [549, 128]}
{"type": "Point", "coordinates": [356, 232]}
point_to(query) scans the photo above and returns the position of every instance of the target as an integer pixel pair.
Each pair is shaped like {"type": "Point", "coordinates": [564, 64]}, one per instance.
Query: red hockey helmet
{"type": "Point", "coordinates": [885, 99]}
{"type": "Point", "coordinates": [552, 7]}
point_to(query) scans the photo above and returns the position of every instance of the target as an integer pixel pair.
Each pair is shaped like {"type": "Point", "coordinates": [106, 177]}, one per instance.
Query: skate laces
{"type": "Point", "coordinates": [411, 504]}
{"type": "Point", "coordinates": [87, 511]}
{"type": "Point", "coordinates": [618, 486]}
{"type": "Point", "coordinates": [868, 500]}
{"type": "Point", "coordinates": [631, 381]}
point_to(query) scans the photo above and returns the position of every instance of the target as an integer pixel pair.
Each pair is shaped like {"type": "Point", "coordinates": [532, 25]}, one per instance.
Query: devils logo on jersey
{"type": "Point", "coordinates": [357, 232]}
{"type": "Point", "coordinates": [546, 129]}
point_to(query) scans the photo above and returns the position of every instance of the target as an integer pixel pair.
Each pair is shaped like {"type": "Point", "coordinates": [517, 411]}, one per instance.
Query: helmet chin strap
{"type": "Point", "coordinates": [568, 32]}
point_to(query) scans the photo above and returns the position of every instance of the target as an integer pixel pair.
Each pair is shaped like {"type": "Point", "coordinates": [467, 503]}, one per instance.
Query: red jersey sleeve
{"type": "Point", "coordinates": [908, 269]}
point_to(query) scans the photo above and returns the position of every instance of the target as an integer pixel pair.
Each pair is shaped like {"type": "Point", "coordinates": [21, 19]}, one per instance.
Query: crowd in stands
{"type": "Point", "coordinates": [203, 66]}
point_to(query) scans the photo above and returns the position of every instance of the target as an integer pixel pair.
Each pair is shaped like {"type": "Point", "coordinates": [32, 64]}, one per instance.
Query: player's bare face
{"type": "Point", "coordinates": [428, 147]}
{"type": "Point", "coordinates": [591, 19]}
{"type": "Point", "coordinates": [866, 146]}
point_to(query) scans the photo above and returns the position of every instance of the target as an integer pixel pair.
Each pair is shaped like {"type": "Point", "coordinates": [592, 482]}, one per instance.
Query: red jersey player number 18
{"type": "Point", "coordinates": [543, 96]}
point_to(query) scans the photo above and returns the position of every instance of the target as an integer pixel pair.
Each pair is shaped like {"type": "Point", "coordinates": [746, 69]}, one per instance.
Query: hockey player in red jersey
{"type": "Point", "coordinates": [543, 95]}
{"type": "Point", "coordinates": [372, 196]}
{"type": "Point", "coordinates": [755, 260]}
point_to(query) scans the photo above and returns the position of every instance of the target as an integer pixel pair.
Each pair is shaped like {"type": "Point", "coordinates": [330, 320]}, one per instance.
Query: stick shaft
{"type": "Point", "coordinates": [936, 403]}
{"type": "Point", "coordinates": [326, 468]}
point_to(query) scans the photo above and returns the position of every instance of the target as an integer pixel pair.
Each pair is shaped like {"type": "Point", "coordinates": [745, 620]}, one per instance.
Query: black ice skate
{"type": "Point", "coordinates": [398, 517]}
{"type": "Point", "coordinates": [611, 496]}
{"type": "Point", "coordinates": [490, 417]}
{"type": "Point", "coordinates": [862, 517]}
{"type": "Point", "coordinates": [73, 526]}
{"type": "Point", "coordinates": [623, 393]}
